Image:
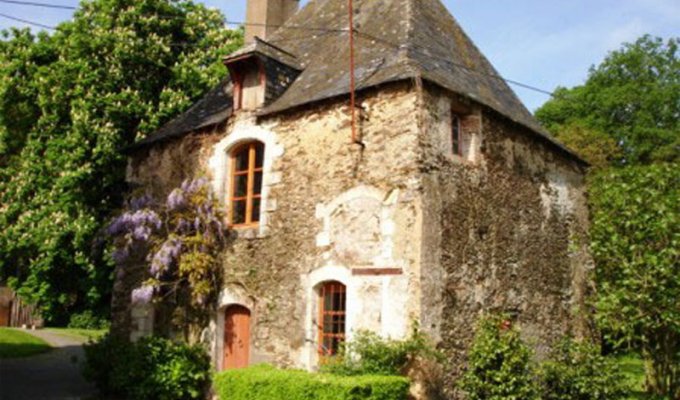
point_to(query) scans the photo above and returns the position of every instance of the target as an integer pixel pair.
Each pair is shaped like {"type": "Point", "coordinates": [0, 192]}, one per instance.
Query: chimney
{"type": "Point", "coordinates": [263, 17]}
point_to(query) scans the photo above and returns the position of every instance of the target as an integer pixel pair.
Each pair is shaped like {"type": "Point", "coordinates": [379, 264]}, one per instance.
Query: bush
{"type": "Point", "coordinates": [370, 354]}
{"type": "Point", "coordinates": [577, 371]}
{"type": "Point", "coordinates": [264, 382]}
{"type": "Point", "coordinates": [499, 363]}
{"type": "Point", "coordinates": [87, 320]}
{"type": "Point", "coordinates": [153, 368]}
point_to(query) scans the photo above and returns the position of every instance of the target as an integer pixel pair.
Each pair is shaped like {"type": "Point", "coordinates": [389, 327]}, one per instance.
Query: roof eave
{"type": "Point", "coordinates": [273, 110]}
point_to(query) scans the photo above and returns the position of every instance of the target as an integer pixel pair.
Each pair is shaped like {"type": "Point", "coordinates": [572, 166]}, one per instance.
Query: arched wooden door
{"type": "Point", "coordinates": [236, 337]}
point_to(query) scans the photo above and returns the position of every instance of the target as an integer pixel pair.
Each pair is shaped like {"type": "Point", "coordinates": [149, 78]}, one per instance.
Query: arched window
{"type": "Point", "coordinates": [245, 195]}
{"type": "Point", "coordinates": [332, 315]}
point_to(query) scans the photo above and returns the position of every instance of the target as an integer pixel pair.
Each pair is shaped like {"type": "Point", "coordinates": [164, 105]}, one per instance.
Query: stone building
{"type": "Point", "coordinates": [451, 202]}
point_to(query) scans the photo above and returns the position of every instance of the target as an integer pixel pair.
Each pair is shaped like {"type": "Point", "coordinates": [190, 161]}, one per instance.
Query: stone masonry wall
{"type": "Point", "coordinates": [332, 209]}
{"type": "Point", "coordinates": [414, 232]}
{"type": "Point", "coordinates": [507, 233]}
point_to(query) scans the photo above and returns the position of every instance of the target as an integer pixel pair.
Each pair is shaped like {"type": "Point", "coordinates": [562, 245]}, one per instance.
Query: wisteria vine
{"type": "Point", "coordinates": [181, 237]}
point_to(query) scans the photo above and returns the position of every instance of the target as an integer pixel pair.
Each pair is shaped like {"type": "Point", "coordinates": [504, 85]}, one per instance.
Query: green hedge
{"type": "Point", "coordinates": [264, 382]}
{"type": "Point", "coordinates": [153, 368]}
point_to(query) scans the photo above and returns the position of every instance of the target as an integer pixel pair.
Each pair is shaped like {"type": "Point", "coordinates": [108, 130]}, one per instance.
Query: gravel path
{"type": "Point", "coordinates": [54, 375]}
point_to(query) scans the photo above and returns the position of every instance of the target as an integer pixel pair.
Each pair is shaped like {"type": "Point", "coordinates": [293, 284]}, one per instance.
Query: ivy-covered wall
{"type": "Point", "coordinates": [507, 233]}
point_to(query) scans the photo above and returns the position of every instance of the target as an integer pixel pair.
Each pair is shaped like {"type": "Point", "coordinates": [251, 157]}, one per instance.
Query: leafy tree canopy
{"type": "Point", "coordinates": [636, 245]}
{"type": "Point", "coordinates": [631, 100]}
{"type": "Point", "coordinates": [69, 102]}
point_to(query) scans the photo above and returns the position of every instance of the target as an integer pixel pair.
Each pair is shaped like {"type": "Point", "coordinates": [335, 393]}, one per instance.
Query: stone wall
{"type": "Point", "coordinates": [332, 210]}
{"type": "Point", "coordinates": [413, 231]}
{"type": "Point", "coordinates": [507, 233]}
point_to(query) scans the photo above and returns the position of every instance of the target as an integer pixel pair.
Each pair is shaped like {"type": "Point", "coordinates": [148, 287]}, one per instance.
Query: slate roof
{"type": "Point", "coordinates": [395, 40]}
{"type": "Point", "coordinates": [212, 109]}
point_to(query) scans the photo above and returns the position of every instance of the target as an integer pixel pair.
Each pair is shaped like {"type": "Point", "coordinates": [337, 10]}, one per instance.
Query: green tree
{"type": "Point", "coordinates": [636, 245]}
{"type": "Point", "coordinates": [633, 97]}
{"type": "Point", "coordinates": [114, 73]}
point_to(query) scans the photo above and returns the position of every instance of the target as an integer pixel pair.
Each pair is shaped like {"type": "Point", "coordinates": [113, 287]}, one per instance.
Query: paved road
{"type": "Point", "coordinates": [54, 375]}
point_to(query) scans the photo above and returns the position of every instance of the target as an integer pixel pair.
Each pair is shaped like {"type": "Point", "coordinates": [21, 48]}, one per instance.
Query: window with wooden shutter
{"type": "Point", "coordinates": [332, 316]}
{"type": "Point", "coordinates": [245, 195]}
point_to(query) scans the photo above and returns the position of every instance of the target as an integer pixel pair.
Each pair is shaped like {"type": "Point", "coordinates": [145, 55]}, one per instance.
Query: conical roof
{"type": "Point", "coordinates": [394, 40]}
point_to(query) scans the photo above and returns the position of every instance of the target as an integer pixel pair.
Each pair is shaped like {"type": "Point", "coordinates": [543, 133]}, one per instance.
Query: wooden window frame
{"type": "Point", "coordinates": [337, 310]}
{"type": "Point", "coordinates": [456, 135]}
{"type": "Point", "coordinates": [250, 196]}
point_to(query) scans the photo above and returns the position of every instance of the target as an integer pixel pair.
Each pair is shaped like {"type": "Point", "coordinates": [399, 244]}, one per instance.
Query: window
{"type": "Point", "coordinates": [249, 83]}
{"type": "Point", "coordinates": [456, 136]}
{"type": "Point", "coordinates": [246, 184]}
{"type": "Point", "coordinates": [332, 312]}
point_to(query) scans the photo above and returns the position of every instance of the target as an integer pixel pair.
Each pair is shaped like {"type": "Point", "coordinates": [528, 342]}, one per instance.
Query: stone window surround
{"type": "Point", "coordinates": [354, 307]}
{"type": "Point", "coordinates": [312, 283]}
{"type": "Point", "coordinates": [219, 164]}
{"type": "Point", "coordinates": [470, 121]}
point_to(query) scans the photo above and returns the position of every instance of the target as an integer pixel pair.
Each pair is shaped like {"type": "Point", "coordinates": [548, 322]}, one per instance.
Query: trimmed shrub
{"type": "Point", "coordinates": [577, 371]}
{"type": "Point", "coordinates": [87, 320]}
{"type": "Point", "coordinates": [499, 365]}
{"type": "Point", "coordinates": [370, 354]}
{"type": "Point", "coordinates": [104, 361]}
{"type": "Point", "coordinates": [152, 368]}
{"type": "Point", "coordinates": [264, 382]}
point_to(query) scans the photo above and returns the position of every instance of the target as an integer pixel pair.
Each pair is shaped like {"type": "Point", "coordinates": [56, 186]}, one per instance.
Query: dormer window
{"type": "Point", "coordinates": [249, 83]}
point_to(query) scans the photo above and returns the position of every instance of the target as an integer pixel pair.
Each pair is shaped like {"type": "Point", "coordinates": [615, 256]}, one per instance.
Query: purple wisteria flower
{"type": "Point", "coordinates": [142, 295]}
{"type": "Point", "coordinates": [139, 203]}
{"type": "Point", "coordinates": [194, 185]}
{"type": "Point", "coordinates": [140, 223]}
{"type": "Point", "coordinates": [120, 255]}
{"type": "Point", "coordinates": [183, 226]}
{"type": "Point", "coordinates": [176, 200]}
{"type": "Point", "coordinates": [165, 257]}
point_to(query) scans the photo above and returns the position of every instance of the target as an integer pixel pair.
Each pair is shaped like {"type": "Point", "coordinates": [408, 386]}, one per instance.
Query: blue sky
{"type": "Point", "coordinates": [544, 43]}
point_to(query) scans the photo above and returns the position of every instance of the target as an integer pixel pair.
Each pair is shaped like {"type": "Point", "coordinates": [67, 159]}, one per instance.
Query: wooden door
{"type": "Point", "coordinates": [236, 337]}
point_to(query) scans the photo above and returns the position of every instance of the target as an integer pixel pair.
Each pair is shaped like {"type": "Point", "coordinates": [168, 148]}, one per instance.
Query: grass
{"type": "Point", "coordinates": [80, 334]}
{"type": "Point", "coordinates": [17, 344]}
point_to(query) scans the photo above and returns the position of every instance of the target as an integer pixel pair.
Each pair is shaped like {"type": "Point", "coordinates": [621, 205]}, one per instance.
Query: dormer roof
{"type": "Point", "coordinates": [263, 48]}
